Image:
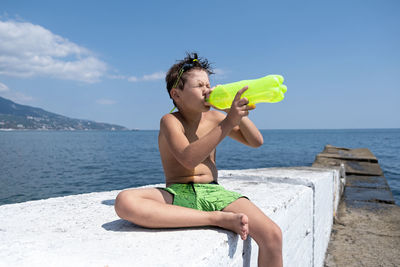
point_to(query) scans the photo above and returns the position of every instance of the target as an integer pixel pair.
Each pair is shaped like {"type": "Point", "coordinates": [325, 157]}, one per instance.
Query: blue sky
{"type": "Point", "coordinates": [106, 60]}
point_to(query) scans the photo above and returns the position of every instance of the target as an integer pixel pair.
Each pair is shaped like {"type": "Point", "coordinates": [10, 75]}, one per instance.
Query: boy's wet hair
{"type": "Point", "coordinates": [176, 74]}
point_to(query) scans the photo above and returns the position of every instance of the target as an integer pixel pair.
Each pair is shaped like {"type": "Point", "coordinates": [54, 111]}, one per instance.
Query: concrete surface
{"type": "Point", "coordinates": [366, 235]}
{"type": "Point", "coordinates": [367, 226]}
{"type": "Point", "coordinates": [83, 230]}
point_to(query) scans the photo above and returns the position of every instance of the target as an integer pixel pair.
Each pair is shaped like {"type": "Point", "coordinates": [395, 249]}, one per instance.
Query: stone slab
{"type": "Point", "coordinates": [359, 154]}
{"type": "Point", "coordinates": [351, 167]}
{"type": "Point", "coordinates": [367, 181]}
{"type": "Point", "coordinates": [347, 156]}
{"type": "Point", "coordinates": [83, 230]}
{"type": "Point", "coordinates": [383, 195]}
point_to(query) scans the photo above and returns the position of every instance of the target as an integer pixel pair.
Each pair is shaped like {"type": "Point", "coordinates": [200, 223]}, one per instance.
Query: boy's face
{"type": "Point", "coordinates": [197, 86]}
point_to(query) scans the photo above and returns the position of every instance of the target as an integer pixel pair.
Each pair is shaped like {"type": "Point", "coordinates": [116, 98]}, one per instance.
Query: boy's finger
{"type": "Point", "coordinates": [240, 92]}
{"type": "Point", "coordinates": [242, 101]}
{"type": "Point", "coordinates": [245, 113]}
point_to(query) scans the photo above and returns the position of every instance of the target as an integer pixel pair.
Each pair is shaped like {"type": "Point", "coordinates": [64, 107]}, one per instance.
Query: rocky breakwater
{"type": "Point", "coordinates": [366, 231]}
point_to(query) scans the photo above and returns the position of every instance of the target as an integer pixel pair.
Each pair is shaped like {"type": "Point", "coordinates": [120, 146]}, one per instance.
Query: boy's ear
{"type": "Point", "coordinates": [174, 93]}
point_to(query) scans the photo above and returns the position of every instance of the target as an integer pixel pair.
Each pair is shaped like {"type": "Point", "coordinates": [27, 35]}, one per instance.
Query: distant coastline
{"type": "Point", "coordinates": [14, 116]}
{"type": "Point", "coordinates": [67, 130]}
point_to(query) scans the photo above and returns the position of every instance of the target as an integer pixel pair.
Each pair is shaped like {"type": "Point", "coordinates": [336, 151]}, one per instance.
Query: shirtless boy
{"type": "Point", "coordinates": [187, 142]}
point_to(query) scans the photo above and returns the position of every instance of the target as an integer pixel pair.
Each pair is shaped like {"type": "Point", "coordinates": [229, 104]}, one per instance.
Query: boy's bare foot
{"type": "Point", "coordinates": [236, 222]}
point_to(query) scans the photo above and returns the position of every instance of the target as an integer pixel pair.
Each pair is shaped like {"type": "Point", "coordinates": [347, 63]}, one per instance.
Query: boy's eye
{"type": "Point", "coordinates": [206, 85]}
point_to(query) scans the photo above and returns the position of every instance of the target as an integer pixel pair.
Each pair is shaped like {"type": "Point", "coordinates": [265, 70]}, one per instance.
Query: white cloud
{"type": "Point", "coordinates": [28, 50]}
{"type": "Point", "coordinates": [3, 87]}
{"type": "Point", "coordinates": [15, 96]}
{"type": "Point", "coordinates": [155, 76]}
{"type": "Point", "coordinates": [133, 79]}
{"type": "Point", "coordinates": [117, 76]}
{"type": "Point", "coordinates": [104, 101]}
{"type": "Point", "coordinates": [220, 73]}
{"type": "Point", "coordinates": [159, 75]}
{"type": "Point", "coordinates": [148, 77]}
{"type": "Point", "coordinates": [20, 98]}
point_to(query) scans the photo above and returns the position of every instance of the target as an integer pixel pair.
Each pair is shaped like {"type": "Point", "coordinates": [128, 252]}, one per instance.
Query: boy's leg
{"type": "Point", "coordinates": [151, 207]}
{"type": "Point", "coordinates": [265, 232]}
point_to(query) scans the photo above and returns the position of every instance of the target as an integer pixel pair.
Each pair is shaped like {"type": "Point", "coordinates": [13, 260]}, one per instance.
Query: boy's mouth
{"type": "Point", "coordinates": [206, 103]}
{"type": "Point", "coordinates": [206, 100]}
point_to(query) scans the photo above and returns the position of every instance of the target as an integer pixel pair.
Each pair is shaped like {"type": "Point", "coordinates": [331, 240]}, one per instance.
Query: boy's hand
{"type": "Point", "coordinates": [239, 108]}
{"type": "Point", "coordinates": [251, 106]}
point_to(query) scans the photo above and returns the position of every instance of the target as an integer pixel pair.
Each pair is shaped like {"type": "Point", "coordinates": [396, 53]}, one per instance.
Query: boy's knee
{"type": "Point", "coordinates": [277, 234]}
{"type": "Point", "coordinates": [122, 202]}
{"type": "Point", "coordinates": [272, 236]}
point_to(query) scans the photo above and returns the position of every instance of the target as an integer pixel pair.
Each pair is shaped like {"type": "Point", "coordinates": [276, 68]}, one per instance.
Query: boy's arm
{"type": "Point", "coordinates": [246, 132]}
{"type": "Point", "coordinates": [192, 154]}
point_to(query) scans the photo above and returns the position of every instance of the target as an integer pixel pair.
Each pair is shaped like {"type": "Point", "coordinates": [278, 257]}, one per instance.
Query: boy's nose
{"type": "Point", "coordinates": [206, 90]}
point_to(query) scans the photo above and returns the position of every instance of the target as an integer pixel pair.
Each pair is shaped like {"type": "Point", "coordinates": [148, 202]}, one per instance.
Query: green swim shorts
{"type": "Point", "coordinates": [205, 197]}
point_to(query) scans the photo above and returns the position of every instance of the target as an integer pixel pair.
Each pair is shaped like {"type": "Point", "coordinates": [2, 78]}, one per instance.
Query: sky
{"type": "Point", "coordinates": [106, 60]}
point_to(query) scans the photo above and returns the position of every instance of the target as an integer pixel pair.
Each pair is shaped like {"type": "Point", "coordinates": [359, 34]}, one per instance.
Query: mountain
{"type": "Point", "coordinates": [16, 116]}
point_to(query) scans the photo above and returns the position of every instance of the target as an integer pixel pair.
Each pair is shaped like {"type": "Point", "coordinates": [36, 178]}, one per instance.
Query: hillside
{"type": "Point", "coordinates": [16, 116]}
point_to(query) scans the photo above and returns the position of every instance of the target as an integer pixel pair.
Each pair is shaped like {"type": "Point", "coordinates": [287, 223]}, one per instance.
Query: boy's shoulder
{"type": "Point", "coordinates": [174, 117]}
{"type": "Point", "coordinates": [170, 119]}
{"type": "Point", "coordinates": [172, 122]}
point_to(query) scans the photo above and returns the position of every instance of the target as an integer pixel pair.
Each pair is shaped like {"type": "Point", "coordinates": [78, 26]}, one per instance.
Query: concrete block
{"type": "Point", "coordinates": [325, 184]}
{"type": "Point", "coordinates": [83, 230]}
{"type": "Point", "coordinates": [293, 215]}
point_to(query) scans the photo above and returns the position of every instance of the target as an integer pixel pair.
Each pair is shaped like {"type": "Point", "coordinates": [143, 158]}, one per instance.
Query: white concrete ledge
{"type": "Point", "coordinates": [326, 187]}
{"type": "Point", "coordinates": [83, 230]}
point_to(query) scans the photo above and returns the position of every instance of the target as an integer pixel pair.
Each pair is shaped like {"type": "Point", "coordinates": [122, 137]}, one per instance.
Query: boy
{"type": "Point", "coordinates": [187, 142]}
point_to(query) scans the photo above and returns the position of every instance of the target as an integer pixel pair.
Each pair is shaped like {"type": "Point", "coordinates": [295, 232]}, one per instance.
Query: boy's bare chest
{"type": "Point", "coordinates": [194, 134]}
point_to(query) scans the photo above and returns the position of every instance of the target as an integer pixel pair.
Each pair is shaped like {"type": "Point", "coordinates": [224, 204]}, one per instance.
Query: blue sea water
{"type": "Point", "coordinates": [39, 164]}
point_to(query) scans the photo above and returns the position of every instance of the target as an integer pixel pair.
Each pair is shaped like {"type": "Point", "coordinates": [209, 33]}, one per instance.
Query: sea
{"type": "Point", "coordinates": [43, 164]}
